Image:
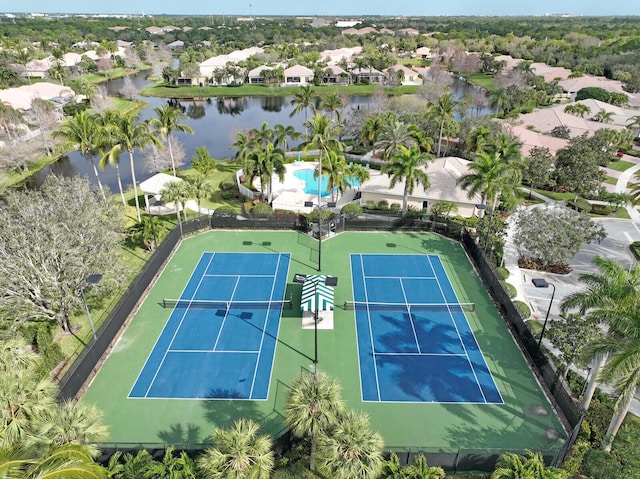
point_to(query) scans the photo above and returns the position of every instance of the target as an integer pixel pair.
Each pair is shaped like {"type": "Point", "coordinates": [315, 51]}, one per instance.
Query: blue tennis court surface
{"type": "Point", "coordinates": [414, 341]}
{"type": "Point", "coordinates": [223, 351]}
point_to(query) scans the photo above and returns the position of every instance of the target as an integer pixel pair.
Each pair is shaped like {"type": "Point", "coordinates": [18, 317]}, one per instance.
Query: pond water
{"type": "Point", "coordinates": [215, 121]}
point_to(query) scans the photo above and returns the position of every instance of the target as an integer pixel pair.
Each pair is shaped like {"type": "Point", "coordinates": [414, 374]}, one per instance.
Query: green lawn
{"type": "Point", "coordinates": [620, 165]}
{"type": "Point", "coordinates": [523, 421]}
{"type": "Point", "coordinates": [481, 79]}
{"type": "Point", "coordinates": [160, 90]}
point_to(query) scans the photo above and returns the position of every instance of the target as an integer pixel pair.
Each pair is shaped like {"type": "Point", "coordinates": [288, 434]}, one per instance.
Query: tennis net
{"type": "Point", "coordinates": [225, 305]}
{"type": "Point", "coordinates": [411, 307]}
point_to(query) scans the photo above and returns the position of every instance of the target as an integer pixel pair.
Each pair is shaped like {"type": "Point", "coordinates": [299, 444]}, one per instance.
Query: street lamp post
{"type": "Point", "coordinates": [329, 281]}
{"type": "Point", "coordinates": [543, 283]}
{"type": "Point", "coordinates": [91, 279]}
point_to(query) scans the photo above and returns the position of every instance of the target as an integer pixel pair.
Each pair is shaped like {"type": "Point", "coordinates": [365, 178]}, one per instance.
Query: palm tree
{"type": "Point", "coordinates": [145, 231]}
{"type": "Point", "coordinates": [335, 168]}
{"type": "Point", "coordinates": [281, 133]}
{"type": "Point", "coordinates": [314, 406]}
{"type": "Point", "coordinates": [332, 103]}
{"type": "Point", "coordinates": [577, 109]}
{"type": "Point", "coordinates": [352, 450]}
{"type": "Point", "coordinates": [478, 139]}
{"type": "Point", "coordinates": [82, 133]}
{"type": "Point", "coordinates": [200, 188]}
{"type": "Point", "coordinates": [610, 290]}
{"type": "Point", "coordinates": [499, 100]}
{"type": "Point", "coordinates": [68, 422]}
{"type": "Point", "coordinates": [322, 133]}
{"type": "Point", "coordinates": [59, 462]}
{"type": "Point", "coordinates": [263, 136]}
{"type": "Point", "coordinates": [421, 470]}
{"type": "Point", "coordinates": [604, 116]}
{"type": "Point", "coordinates": [530, 466]}
{"type": "Point", "coordinates": [166, 123]}
{"type": "Point", "coordinates": [264, 163]}
{"type": "Point", "coordinates": [127, 133]}
{"type": "Point", "coordinates": [304, 99]}
{"type": "Point", "coordinates": [177, 192]}
{"type": "Point", "coordinates": [444, 112]}
{"type": "Point", "coordinates": [24, 394]}
{"type": "Point", "coordinates": [508, 147]}
{"type": "Point", "coordinates": [372, 129]}
{"type": "Point", "coordinates": [407, 165]}
{"type": "Point", "coordinates": [238, 453]}
{"type": "Point", "coordinates": [244, 146]}
{"type": "Point", "coordinates": [394, 135]}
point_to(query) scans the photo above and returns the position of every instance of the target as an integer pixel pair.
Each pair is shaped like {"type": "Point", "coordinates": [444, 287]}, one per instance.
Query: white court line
{"type": "Point", "coordinates": [373, 349]}
{"type": "Point", "coordinates": [226, 315]}
{"type": "Point", "coordinates": [413, 328]}
{"type": "Point", "coordinates": [187, 351]}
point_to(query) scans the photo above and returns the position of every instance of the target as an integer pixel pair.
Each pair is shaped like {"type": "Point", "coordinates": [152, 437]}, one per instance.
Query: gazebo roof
{"type": "Point", "coordinates": [155, 184]}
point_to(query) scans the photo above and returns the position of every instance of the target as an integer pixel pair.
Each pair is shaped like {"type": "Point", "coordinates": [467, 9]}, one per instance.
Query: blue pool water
{"type": "Point", "coordinates": [311, 183]}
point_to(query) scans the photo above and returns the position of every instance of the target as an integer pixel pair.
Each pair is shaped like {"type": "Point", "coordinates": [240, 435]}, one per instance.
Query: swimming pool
{"type": "Point", "coordinates": [311, 183]}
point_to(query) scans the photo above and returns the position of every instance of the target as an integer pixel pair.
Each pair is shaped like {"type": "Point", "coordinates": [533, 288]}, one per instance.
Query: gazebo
{"type": "Point", "coordinates": [152, 188]}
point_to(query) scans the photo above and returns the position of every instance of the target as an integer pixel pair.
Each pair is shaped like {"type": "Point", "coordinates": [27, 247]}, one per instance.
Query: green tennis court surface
{"type": "Point", "coordinates": [524, 418]}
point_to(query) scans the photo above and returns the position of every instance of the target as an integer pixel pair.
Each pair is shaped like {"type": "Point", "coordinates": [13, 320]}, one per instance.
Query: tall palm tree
{"type": "Point", "coordinates": [478, 139]}
{"type": "Point", "coordinates": [238, 453]}
{"type": "Point", "coordinates": [262, 136]}
{"type": "Point", "coordinates": [372, 129]}
{"type": "Point", "coordinates": [406, 166]}
{"type": "Point", "coordinates": [167, 121]}
{"type": "Point", "coordinates": [281, 133]}
{"type": "Point", "coordinates": [82, 133]}
{"type": "Point", "coordinates": [613, 288]}
{"type": "Point", "coordinates": [332, 103]}
{"type": "Point", "coordinates": [264, 163]}
{"type": "Point", "coordinates": [443, 112]}
{"type": "Point", "coordinates": [314, 406]}
{"type": "Point", "coordinates": [394, 134]}
{"type": "Point", "coordinates": [499, 100]}
{"type": "Point", "coordinates": [200, 188]}
{"type": "Point", "coordinates": [577, 109]}
{"type": "Point", "coordinates": [243, 145]}
{"type": "Point", "coordinates": [107, 122]}
{"type": "Point", "coordinates": [303, 100]}
{"type": "Point", "coordinates": [352, 450]}
{"type": "Point", "coordinates": [322, 133]}
{"type": "Point", "coordinates": [335, 168]}
{"type": "Point", "coordinates": [127, 134]}
{"type": "Point", "coordinates": [177, 192]}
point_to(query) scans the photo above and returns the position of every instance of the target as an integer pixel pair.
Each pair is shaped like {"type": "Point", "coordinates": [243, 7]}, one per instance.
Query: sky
{"type": "Point", "coordinates": [328, 7]}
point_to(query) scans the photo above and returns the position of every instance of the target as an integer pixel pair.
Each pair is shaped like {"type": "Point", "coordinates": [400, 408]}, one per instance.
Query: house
{"type": "Point", "coordinates": [263, 75]}
{"type": "Point", "coordinates": [424, 53]}
{"type": "Point", "coordinates": [386, 31]}
{"type": "Point", "coordinates": [297, 75]}
{"type": "Point", "coordinates": [210, 66]}
{"type": "Point", "coordinates": [20, 98]}
{"type": "Point", "coordinates": [403, 75]}
{"type": "Point", "coordinates": [36, 68]}
{"type": "Point", "coordinates": [533, 139]}
{"type": "Point", "coordinates": [346, 23]}
{"type": "Point", "coordinates": [550, 73]}
{"type": "Point", "coordinates": [177, 46]}
{"type": "Point", "coordinates": [71, 59]}
{"type": "Point", "coordinates": [334, 75]}
{"type": "Point", "coordinates": [359, 32]}
{"type": "Point", "coordinates": [370, 75]}
{"type": "Point", "coordinates": [411, 32]}
{"type": "Point", "coordinates": [443, 174]}
{"type": "Point", "coordinates": [333, 57]}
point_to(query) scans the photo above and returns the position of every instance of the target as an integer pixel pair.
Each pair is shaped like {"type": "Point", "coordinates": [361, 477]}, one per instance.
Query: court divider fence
{"type": "Point", "coordinates": [453, 460]}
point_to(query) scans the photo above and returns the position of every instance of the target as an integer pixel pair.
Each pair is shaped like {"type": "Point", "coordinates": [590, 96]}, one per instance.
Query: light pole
{"type": "Point", "coordinates": [91, 279]}
{"type": "Point", "coordinates": [543, 283]}
{"type": "Point", "coordinates": [329, 281]}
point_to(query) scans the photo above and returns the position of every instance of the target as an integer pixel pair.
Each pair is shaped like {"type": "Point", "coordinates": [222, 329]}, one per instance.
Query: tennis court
{"type": "Point", "coordinates": [414, 341]}
{"type": "Point", "coordinates": [219, 341]}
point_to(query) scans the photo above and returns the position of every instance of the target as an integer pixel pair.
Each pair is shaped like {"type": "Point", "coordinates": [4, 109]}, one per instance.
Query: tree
{"type": "Point", "coordinates": [127, 134]}
{"type": "Point", "coordinates": [530, 466]}
{"type": "Point", "coordinates": [604, 116]}
{"type": "Point", "coordinates": [537, 167]}
{"type": "Point", "coordinates": [443, 112]}
{"type": "Point", "coordinates": [264, 163]}
{"type": "Point", "coordinates": [166, 123]}
{"type": "Point", "coordinates": [313, 407]}
{"type": "Point", "coordinates": [407, 166]}
{"type": "Point", "coordinates": [238, 453]}
{"type": "Point", "coordinates": [177, 192]}
{"type": "Point", "coordinates": [52, 240]}
{"type": "Point", "coordinates": [421, 470]}
{"type": "Point", "coordinates": [203, 162]}
{"type": "Point", "coordinates": [372, 129]}
{"type": "Point", "coordinates": [394, 134]}
{"type": "Point", "coordinates": [578, 166]}
{"type": "Point", "coordinates": [332, 103]}
{"type": "Point", "coordinates": [594, 92]}
{"type": "Point", "coordinates": [554, 234]}
{"type": "Point", "coordinates": [322, 135]}
{"type": "Point", "coordinates": [351, 450]}
{"type": "Point", "coordinates": [561, 131]}
{"type": "Point", "coordinates": [281, 133]}
{"type": "Point", "coordinates": [611, 288]}
{"type": "Point", "coordinates": [200, 187]}
{"type": "Point", "coordinates": [67, 422]}
{"type": "Point", "coordinates": [303, 100]}
{"type": "Point", "coordinates": [82, 132]}
{"type": "Point", "coordinates": [577, 109]}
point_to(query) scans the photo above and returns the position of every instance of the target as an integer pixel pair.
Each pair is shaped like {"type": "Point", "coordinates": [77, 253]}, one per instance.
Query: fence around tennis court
{"type": "Point", "coordinates": [455, 460]}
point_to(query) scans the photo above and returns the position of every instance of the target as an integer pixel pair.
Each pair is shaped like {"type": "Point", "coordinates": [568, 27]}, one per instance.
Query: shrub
{"type": "Point", "coordinates": [228, 194]}
{"type": "Point", "coordinates": [227, 186]}
{"type": "Point", "coordinates": [580, 205]}
{"type": "Point", "coordinates": [604, 210]}
{"type": "Point", "coordinates": [572, 463]}
{"type": "Point", "coordinates": [262, 210]}
{"type": "Point", "coordinates": [352, 210]}
{"type": "Point", "coordinates": [601, 464]}
{"type": "Point", "coordinates": [503, 273]}
{"type": "Point", "coordinates": [635, 249]}
{"type": "Point", "coordinates": [371, 205]}
{"type": "Point", "coordinates": [395, 207]}
{"type": "Point", "coordinates": [383, 205]}
{"type": "Point", "coordinates": [523, 309]}
{"type": "Point", "coordinates": [225, 212]}
{"type": "Point", "coordinates": [510, 289]}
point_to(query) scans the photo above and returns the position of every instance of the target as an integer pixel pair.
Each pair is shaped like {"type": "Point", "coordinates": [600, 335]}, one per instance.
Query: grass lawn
{"type": "Point", "coordinates": [160, 90]}
{"type": "Point", "coordinates": [610, 180]}
{"type": "Point", "coordinates": [620, 165]}
{"type": "Point", "coordinates": [482, 79]}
